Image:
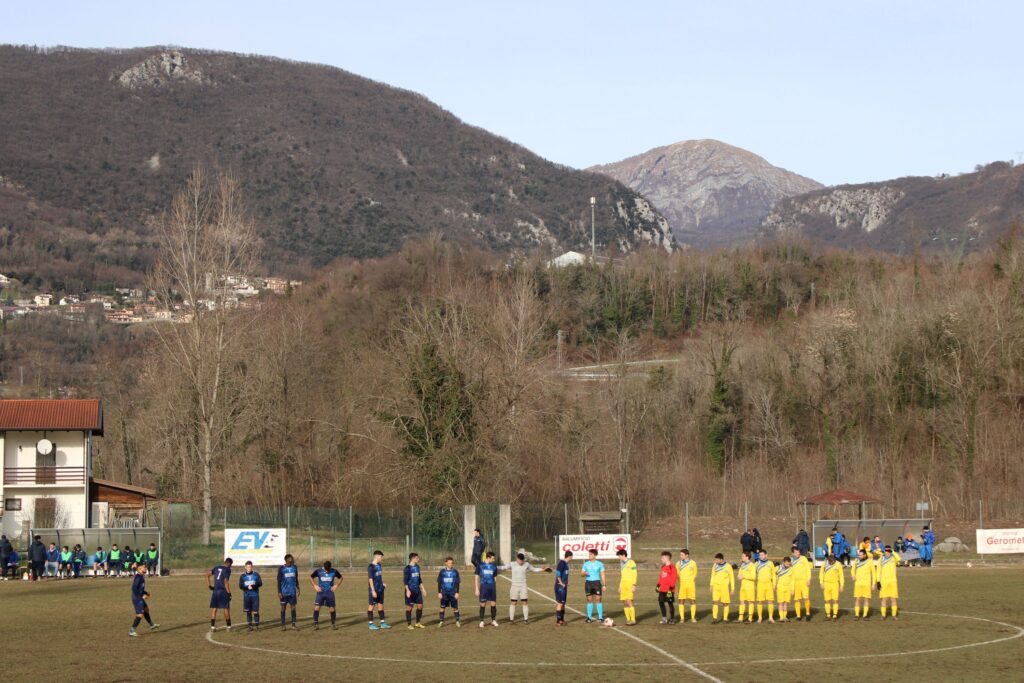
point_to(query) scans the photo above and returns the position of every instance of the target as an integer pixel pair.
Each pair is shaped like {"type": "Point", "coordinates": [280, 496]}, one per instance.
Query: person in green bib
{"type": "Point", "coordinates": [140, 558]}
{"type": "Point", "coordinates": [115, 561]}
{"type": "Point", "coordinates": [64, 571]}
{"type": "Point", "coordinates": [152, 556]}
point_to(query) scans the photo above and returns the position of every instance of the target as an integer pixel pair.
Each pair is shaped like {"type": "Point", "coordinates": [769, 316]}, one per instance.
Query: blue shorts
{"type": "Point", "coordinates": [139, 606]}
{"type": "Point", "coordinates": [324, 598]}
{"type": "Point", "coordinates": [489, 593]}
{"type": "Point", "coordinates": [220, 599]}
{"type": "Point", "coordinates": [561, 593]}
{"type": "Point", "coordinates": [379, 600]}
{"type": "Point", "coordinates": [448, 600]}
{"type": "Point", "coordinates": [415, 597]}
{"type": "Point", "coordinates": [288, 599]}
{"type": "Point", "coordinates": [251, 603]}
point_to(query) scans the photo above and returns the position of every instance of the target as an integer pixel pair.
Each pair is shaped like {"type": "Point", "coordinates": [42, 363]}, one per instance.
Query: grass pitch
{"type": "Point", "coordinates": [949, 626]}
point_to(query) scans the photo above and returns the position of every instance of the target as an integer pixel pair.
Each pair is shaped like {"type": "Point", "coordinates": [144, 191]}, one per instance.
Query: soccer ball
{"type": "Point", "coordinates": [608, 622]}
{"type": "Point", "coordinates": [968, 565]}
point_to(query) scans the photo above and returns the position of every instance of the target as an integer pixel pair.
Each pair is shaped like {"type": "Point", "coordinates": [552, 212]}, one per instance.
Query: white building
{"type": "Point", "coordinates": [47, 451]}
{"type": "Point", "coordinates": [43, 299]}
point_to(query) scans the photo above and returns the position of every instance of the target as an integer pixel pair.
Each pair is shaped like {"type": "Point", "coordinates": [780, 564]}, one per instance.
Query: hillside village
{"type": "Point", "coordinates": [131, 305]}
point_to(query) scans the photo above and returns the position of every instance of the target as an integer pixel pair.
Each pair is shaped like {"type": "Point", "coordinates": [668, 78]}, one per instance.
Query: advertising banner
{"type": "Point", "coordinates": [605, 544]}
{"type": "Point", "coordinates": [1000, 541]}
{"type": "Point", "coordinates": [262, 547]}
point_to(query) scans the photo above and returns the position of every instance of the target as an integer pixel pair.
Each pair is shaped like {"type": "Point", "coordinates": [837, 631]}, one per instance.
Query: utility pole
{"type": "Point", "coordinates": [593, 243]}
{"type": "Point", "coordinates": [558, 337]}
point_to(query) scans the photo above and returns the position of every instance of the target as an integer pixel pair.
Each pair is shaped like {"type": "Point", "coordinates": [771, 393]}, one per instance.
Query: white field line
{"type": "Point", "coordinates": [665, 653]}
{"type": "Point", "coordinates": [1018, 634]}
{"type": "Point", "coordinates": [446, 662]}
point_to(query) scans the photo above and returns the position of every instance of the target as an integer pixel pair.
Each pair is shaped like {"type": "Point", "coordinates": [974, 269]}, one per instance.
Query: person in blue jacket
{"type": "Point", "coordinates": [77, 560]}
{"type": "Point", "coordinates": [13, 560]}
{"type": "Point", "coordinates": [927, 546]}
{"type": "Point", "coordinates": [249, 583]}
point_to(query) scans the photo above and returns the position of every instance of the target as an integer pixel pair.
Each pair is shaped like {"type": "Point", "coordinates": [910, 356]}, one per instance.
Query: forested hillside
{"type": "Point", "coordinates": [434, 374]}
{"type": "Point", "coordinates": [95, 144]}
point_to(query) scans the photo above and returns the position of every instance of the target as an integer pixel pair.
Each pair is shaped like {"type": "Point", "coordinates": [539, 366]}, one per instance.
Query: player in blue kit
{"type": "Point", "coordinates": [413, 582]}
{"type": "Point", "coordinates": [562, 587]}
{"type": "Point", "coordinates": [249, 583]}
{"type": "Point", "coordinates": [448, 581]}
{"type": "Point", "coordinates": [593, 575]}
{"type": "Point", "coordinates": [218, 581]}
{"type": "Point", "coordinates": [325, 581]}
{"type": "Point", "coordinates": [375, 578]}
{"type": "Point", "coordinates": [288, 588]}
{"type": "Point", "coordinates": [139, 597]}
{"type": "Point", "coordinates": [486, 588]}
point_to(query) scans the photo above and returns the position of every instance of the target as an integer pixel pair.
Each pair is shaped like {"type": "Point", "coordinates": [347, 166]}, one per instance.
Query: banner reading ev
{"type": "Point", "coordinates": [1000, 541]}
{"type": "Point", "coordinates": [606, 545]}
{"type": "Point", "coordinates": [262, 547]}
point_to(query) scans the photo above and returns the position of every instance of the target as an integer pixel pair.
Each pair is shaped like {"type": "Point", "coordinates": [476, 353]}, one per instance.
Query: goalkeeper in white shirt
{"type": "Point", "coordinates": [520, 592]}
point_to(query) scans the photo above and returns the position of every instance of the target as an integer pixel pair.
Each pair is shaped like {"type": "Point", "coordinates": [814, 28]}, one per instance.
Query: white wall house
{"type": "Point", "coordinates": [47, 462]}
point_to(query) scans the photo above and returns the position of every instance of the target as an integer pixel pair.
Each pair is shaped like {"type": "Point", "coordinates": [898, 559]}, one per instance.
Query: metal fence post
{"type": "Point", "coordinates": [746, 515]}
{"type": "Point", "coordinates": [687, 515]}
{"type": "Point", "coordinates": [981, 520]}
{"type": "Point", "coordinates": [566, 520]}
{"type": "Point", "coordinates": [349, 535]}
{"type": "Point", "coordinates": [412, 525]}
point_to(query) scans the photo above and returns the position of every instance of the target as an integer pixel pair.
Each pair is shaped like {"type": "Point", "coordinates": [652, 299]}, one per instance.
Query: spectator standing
{"type": "Point", "coordinates": [478, 548]}
{"type": "Point", "coordinates": [758, 544]}
{"type": "Point", "coordinates": [5, 553]}
{"type": "Point", "coordinates": [37, 557]}
{"type": "Point", "coordinates": [802, 541]}
{"type": "Point", "coordinates": [927, 546]}
{"type": "Point", "coordinates": [747, 541]}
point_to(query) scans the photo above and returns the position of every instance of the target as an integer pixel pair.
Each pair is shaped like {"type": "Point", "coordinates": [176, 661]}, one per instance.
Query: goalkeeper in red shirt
{"type": "Point", "coordinates": [667, 581]}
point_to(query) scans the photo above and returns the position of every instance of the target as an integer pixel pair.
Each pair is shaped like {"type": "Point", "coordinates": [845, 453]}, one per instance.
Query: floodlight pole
{"type": "Point", "coordinates": [593, 242]}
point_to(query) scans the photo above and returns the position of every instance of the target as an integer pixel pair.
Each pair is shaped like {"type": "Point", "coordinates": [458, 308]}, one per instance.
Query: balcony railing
{"type": "Point", "coordinates": [44, 475]}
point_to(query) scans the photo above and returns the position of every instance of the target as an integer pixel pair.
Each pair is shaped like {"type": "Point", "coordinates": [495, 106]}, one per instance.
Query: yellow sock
{"type": "Point", "coordinates": [796, 608]}
{"type": "Point", "coordinates": [714, 611]}
{"type": "Point", "coordinates": [771, 610]}
{"type": "Point", "coordinates": [895, 608]}
{"type": "Point", "coordinates": [883, 608]}
{"type": "Point", "coordinates": [807, 607]}
{"type": "Point", "coordinates": [725, 612]}
{"type": "Point", "coordinates": [856, 610]}
{"type": "Point", "coordinates": [632, 613]}
{"type": "Point", "coordinates": [693, 612]}
{"type": "Point", "coordinates": [784, 613]}
{"type": "Point", "coordinates": [760, 611]}
{"type": "Point", "coordinates": [743, 610]}
{"type": "Point", "coordinates": [864, 611]}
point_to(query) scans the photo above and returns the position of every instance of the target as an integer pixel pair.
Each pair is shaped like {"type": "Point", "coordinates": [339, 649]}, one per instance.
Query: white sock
{"type": "Point", "coordinates": [526, 611]}
{"type": "Point", "coordinates": [512, 612]}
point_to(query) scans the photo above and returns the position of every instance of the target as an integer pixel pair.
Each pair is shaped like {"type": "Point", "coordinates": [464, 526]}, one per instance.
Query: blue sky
{"type": "Point", "coordinates": [840, 92]}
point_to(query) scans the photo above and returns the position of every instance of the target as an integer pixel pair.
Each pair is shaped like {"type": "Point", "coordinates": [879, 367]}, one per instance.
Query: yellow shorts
{"type": "Point", "coordinates": [889, 590]}
{"type": "Point", "coordinates": [831, 593]}
{"type": "Point", "coordinates": [626, 593]}
{"type": "Point", "coordinates": [783, 596]}
{"type": "Point", "coordinates": [800, 591]}
{"type": "Point", "coordinates": [720, 594]}
{"type": "Point", "coordinates": [862, 591]}
{"type": "Point", "coordinates": [765, 594]}
{"type": "Point", "coordinates": [687, 591]}
{"type": "Point", "coordinates": [747, 593]}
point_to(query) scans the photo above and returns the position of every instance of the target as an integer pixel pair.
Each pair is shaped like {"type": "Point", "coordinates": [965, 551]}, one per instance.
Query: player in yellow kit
{"type": "Point", "coordinates": [801, 584]}
{"type": "Point", "coordinates": [784, 587]}
{"type": "Point", "coordinates": [723, 583]}
{"type": "Point", "coordinates": [832, 583]}
{"type": "Point", "coordinates": [687, 591]}
{"type": "Point", "coordinates": [748, 587]}
{"type": "Point", "coordinates": [766, 573]}
{"type": "Point", "coordinates": [888, 591]}
{"type": "Point", "coordinates": [627, 585]}
{"type": "Point", "coordinates": [864, 576]}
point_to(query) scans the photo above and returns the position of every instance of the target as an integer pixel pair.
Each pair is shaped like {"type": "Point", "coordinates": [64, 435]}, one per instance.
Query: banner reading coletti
{"type": "Point", "coordinates": [605, 544]}
{"type": "Point", "coordinates": [262, 547]}
{"type": "Point", "coordinates": [1000, 541]}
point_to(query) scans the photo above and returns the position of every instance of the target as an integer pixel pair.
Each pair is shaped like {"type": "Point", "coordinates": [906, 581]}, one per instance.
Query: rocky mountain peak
{"type": "Point", "coordinates": [710, 192]}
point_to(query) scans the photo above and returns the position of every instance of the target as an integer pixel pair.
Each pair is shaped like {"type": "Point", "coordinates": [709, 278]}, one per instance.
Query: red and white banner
{"type": "Point", "coordinates": [606, 545]}
{"type": "Point", "coordinates": [1000, 541]}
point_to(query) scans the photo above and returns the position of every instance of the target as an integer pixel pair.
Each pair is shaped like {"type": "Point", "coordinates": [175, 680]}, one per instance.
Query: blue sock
{"type": "Point", "coordinates": [590, 610]}
{"type": "Point", "coordinates": [600, 611]}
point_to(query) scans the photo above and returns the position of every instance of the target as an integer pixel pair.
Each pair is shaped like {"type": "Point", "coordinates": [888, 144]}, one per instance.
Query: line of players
{"type": "Point", "coordinates": [763, 587]}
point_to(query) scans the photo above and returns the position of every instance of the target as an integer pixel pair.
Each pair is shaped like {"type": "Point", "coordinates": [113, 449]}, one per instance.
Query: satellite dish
{"type": "Point", "coordinates": [44, 447]}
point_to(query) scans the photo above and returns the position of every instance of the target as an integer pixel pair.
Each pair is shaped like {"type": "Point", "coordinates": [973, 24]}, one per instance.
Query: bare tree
{"type": "Point", "coordinates": [206, 240]}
